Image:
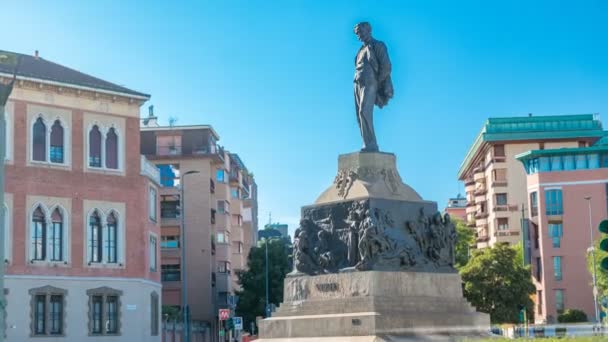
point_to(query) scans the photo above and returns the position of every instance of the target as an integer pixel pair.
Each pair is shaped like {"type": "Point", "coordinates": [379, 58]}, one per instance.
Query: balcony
{"type": "Point", "coordinates": [234, 176]}
{"type": "Point", "coordinates": [170, 151]}
{"type": "Point", "coordinates": [149, 170]}
{"type": "Point", "coordinates": [482, 239]}
{"type": "Point", "coordinates": [479, 176]}
{"type": "Point", "coordinates": [481, 216]}
{"type": "Point", "coordinates": [505, 208]}
{"type": "Point", "coordinates": [499, 183]}
{"type": "Point", "coordinates": [504, 233]}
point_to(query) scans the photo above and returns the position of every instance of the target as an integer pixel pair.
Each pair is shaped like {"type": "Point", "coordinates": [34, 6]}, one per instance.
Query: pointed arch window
{"type": "Point", "coordinates": [95, 238]}
{"type": "Point", "coordinates": [95, 147]}
{"type": "Point", "coordinates": [112, 149]}
{"type": "Point", "coordinates": [57, 143]}
{"type": "Point", "coordinates": [56, 236]}
{"type": "Point", "coordinates": [38, 235]}
{"type": "Point", "coordinates": [39, 140]}
{"type": "Point", "coordinates": [111, 239]}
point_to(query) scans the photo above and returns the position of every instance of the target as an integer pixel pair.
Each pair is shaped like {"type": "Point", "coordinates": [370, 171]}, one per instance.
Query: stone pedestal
{"type": "Point", "coordinates": [373, 262]}
{"type": "Point", "coordinates": [373, 306]}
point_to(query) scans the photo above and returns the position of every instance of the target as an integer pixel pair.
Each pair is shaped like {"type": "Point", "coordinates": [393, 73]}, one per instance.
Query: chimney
{"type": "Point", "coordinates": [36, 54]}
{"type": "Point", "coordinates": [151, 120]}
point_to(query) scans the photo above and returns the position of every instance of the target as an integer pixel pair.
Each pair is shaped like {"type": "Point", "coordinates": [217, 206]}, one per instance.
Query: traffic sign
{"type": "Point", "coordinates": [238, 323]}
{"type": "Point", "coordinates": [224, 314]}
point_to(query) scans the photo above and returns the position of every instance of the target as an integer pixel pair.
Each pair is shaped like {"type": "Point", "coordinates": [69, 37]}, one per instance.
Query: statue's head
{"type": "Point", "coordinates": [363, 30]}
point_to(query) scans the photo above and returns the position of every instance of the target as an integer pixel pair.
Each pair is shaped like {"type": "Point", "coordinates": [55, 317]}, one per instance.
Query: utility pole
{"type": "Point", "coordinates": [5, 92]}
{"type": "Point", "coordinates": [267, 299]}
{"type": "Point", "coordinates": [592, 251]}
{"type": "Point", "coordinates": [185, 306]}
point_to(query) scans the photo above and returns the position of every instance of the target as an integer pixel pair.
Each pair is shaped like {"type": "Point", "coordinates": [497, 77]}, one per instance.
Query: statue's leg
{"type": "Point", "coordinates": [367, 95]}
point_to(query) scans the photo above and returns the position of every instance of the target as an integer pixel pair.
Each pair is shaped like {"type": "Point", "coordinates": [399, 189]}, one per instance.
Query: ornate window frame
{"type": "Point", "coordinates": [66, 236]}
{"type": "Point", "coordinates": [47, 291]}
{"type": "Point", "coordinates": [104, 292]}
{"type": "Point", "coordinates": [120, 239]}
{"type": "Point", "coordinates": [49, 120]}
{"type": "Point", "coordinates": [104, 130]}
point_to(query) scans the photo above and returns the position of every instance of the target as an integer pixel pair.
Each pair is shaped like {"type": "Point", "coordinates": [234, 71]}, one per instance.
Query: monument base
{"type": "Point", "coordinates": [373, 306]}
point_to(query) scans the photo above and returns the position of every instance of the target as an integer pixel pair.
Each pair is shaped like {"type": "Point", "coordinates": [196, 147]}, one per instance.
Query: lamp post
{"type": "Point", "coordinates": [592, 251]}
{"type": "Point", "coordinates": [267, 299]}
{"type": "Point", "coordinates": [185, 307]}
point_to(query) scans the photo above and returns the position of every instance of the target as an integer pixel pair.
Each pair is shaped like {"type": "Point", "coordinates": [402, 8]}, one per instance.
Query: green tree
{"type": "Point", "coordinates": [171, 313]}
{"type": "Point", "coordinates": [465, 237]}
{"type": "Point", "coordinates": [572, 316]}
{"type": "Point", "coordinates": [252, 297]}
{"type": "Point", "coordinates": [497, 283]}
{"type": "Point", "coordinates": [602, 275]}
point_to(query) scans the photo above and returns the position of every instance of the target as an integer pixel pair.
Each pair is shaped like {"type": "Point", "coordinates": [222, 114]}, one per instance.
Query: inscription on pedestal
{"type": "Point", "coordinates": [328, 287]}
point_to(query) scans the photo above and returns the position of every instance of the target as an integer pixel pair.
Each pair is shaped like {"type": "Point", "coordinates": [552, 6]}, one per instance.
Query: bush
{"type": "Point", "coordinates": [572, 316]}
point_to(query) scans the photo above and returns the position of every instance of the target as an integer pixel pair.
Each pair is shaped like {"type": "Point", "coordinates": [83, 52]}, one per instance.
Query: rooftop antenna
{"type": "Point", "coordinates": [172, 121]}
{"type": "Point", "coordinates": [270, 218]}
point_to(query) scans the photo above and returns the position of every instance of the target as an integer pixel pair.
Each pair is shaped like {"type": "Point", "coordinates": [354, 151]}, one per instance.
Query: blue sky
{"type": "Point", "coordinates": [275, 77]}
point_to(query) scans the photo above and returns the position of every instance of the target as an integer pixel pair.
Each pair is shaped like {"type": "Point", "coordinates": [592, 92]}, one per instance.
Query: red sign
{"type": "Point", "coordinates": [224, 314]}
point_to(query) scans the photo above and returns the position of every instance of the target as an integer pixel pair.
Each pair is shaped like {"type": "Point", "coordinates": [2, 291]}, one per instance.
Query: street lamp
{"type": "Point", "coordinates": [592, 251]}
{"type": "Point", "coordinates": [185, 307]}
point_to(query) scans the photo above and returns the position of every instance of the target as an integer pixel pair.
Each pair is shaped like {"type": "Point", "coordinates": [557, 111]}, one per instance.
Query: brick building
{"type": "Point", "coordinates": [82, 237]}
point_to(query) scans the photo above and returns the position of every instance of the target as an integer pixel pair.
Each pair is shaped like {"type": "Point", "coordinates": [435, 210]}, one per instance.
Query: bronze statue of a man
{"type": "Point", "coordinates": [373, 83]}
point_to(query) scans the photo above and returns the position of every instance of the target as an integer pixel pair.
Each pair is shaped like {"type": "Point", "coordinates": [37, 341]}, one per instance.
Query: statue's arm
{"type": "Point", "coordinates": [384, 62]}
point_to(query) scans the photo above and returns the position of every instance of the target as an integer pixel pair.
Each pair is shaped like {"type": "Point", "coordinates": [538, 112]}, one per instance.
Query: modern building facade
{"type": "Point", "coordinates": [456, 207]}
{"type": "Point", "coordinates": [82, 237]}
{"type": "Point", "coordinates": [495, 182]}
{"type": "Point", "coordinates": [220, 218]}
{"type": "Point", "coordinates": [567, 191]}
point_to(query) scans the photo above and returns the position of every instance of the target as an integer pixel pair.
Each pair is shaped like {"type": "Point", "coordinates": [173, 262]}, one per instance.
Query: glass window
{"type": "Point", "coordinates": [220, 176]}
{"type": "Point", "coordinates": [152, 204]}
{"type": "Point", "coordinates": [95, 147]}
{"type": "Point", "coordinates": [593, 161]}
{"type": "Point", "coordinates": [170, 272]}
{"type": "Point", "coordinates": [95, 238]}
{"type": "Point", "coordinates": [153, 254]}
{"type": "Point", "coordinates": [545, 164]}
{"type": "Point", "coordinates": [40, 315]}
{"type": "Point", "coordinates": [556, 163]}
{"type": "Point", "coordinates": [569, 162]}
{"type": "Point", "coordinates": [554, 202]}
{"type": "Point", "coordinates": [104, 306]}
{"type": "Point", "coordinates": [534, 203]}
{"type": "Point", "coordinates": [97, 303]}
{"type": "Point", "coordinates": [56, 315]}
{"type": "Point", "coordinates": [557, 267]}
{"type": "Point", "coordinates": [556, 232]}
{"type": "Point", "coordinates": [221, 237]}
{"type": "Point", "coordinates": [223, 267]}
{"type": "Point", "coordinates": [111, 242]}
{"type": "Point", "coordinates": [39, 140]}
{"type": "Point", "coordinates": [559, 300]}
{"type": "Point", "coordinates": [499, 150]}
{"type": "Point", "coordinates": [56, 236]}
{"type": "Point", "coordinates": [170, 206]}
{"type": "Point", "coordinates": [500, 175]}
{"type": "Point", "coordinates": [154, 314]}
{"type": "Point", "coordinates": [503, 223]}
{"type": "Point", "coordinates": [581, 161]}
{"type": "Point", "coordinates": [501, 199]}
{"type": "Point", "coordinates": [223, 207]}
{"type": "Point", "coordinates": [112, 149]}
{"type": "Point", "coordinates": [57, 142]}
{"type": "Point", "coordinates": [38, 235]}
{"type": "Point", "coordinates": [112, 316]}
{"type": "Point", "coordinates": [234, 192]}
{"type": "Point", "coordinates": [169, 241]}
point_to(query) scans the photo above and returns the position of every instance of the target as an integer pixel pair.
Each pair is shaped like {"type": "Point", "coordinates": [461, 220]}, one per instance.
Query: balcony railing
{"type": "Point", "coordinates": [497, 183]}
{"type": "Point", "coordinates": [481, 215]}
{"type": "Point", "coordinates": [177, 150]}
{"type": "Point", "coordinates": [500, 233]}
{"type": "Point", "coordinates": [150, 170]}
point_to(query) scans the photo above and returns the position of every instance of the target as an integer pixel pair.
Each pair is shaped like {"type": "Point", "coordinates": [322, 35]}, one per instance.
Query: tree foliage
{"type": "Point", "coordinates": [497, 283]}
{"type": "Point", "coordinates": [171, 313]}
{"type": "Point", "coordinates": [252, 297]}
{"type": "Point", "coordinates": [572, 316]}
{"type": "Point", "coordinates": [465, 237]}
{"type": "Point", "coordinates": [602, 275]}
